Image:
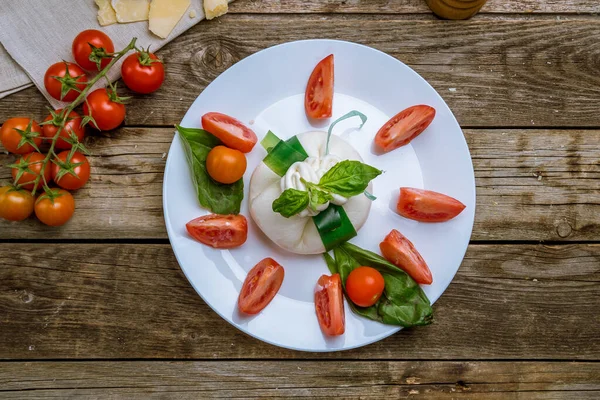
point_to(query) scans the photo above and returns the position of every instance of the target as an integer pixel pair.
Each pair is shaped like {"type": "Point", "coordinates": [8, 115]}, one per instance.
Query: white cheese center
{"type": "Point", "coordinates": [311, 170]}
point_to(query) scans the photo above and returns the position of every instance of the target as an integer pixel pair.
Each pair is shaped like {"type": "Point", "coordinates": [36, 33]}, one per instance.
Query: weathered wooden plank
{"type": "Point", "coordinates": [531, 185]}
{"type": "Point", "coordinates": [132, 301]}
{"type": "Point", "coordinates": [408, 6]}
{"type": "Point", "coordinates": [310, 379]}
{"type": "Point", "coordinates": [505, 72]}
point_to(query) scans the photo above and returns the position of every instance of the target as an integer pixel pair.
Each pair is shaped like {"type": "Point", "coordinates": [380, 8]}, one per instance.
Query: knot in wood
{"type": "Point", "coordinates": [564, 229]}
{"type": "Point", "coordinates": [212, 58]}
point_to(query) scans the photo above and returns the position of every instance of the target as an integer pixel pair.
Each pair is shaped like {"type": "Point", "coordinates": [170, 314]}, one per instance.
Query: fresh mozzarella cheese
{"type": "Point", "coordinates": [299, 234]}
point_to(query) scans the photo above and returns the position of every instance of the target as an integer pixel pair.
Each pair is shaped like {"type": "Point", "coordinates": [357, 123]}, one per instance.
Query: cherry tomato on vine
{"type": "Point", "coordinates": [73, 125]}
{"type": "Point", "coordinates": [15, 204]}
{"type": "Point", "coordinates": [63, 80]}
{"type": "Point", "coordinates": [55, 207]}
{"type": "Point", "coordinates": [20, 135]}
{"type": "Point", "coordinates": [364, 286]}
{"type": "Point", "coordinates": [225, 165]}
{"type": "Point", "coordinates": [106, 108]}
{"type": "Point", "coordinates": [143, 72]}
{"type": "Point", "coordinates": [28, 168]}
{"type": "Point", "coordinates": [70, 174]}
{"type": "Point", "coordinates": [89, 47]}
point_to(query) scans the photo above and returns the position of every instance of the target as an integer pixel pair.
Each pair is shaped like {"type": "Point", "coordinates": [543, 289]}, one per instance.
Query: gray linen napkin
{"type": "Point", "coordinates": [39, 33]}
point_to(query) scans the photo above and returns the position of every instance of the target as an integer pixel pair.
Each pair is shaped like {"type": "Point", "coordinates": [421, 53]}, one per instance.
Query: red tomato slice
{"type": "Point", "coordinates": [219, 231]}
{"type": "Point", "coordinates": [404, 127]}
{"type": "Point", "coordinates": [427, 206]}
{"type": "Point", "coordinates": [329, 305]}
{"type": "Point", "coordinates": [318, 98]}
{"type": "Point", "coordinates": [230, 131]}
{"type": "Point", "coordinates": [261, 286]}
{"type": "Point", "coordinates": [400, 251]}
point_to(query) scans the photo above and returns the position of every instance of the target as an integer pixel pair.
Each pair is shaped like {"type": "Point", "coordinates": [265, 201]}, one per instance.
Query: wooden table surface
{"type": "Point", "coordinates": [101, 308]}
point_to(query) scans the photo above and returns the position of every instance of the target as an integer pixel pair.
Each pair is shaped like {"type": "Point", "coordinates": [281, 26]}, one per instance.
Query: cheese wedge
{"type": "Point", "coordinates": [131, 10]}
{"type": "Point", "coordinates": [215, 8]}
{"type": "Point", "coordinates": [165, 14]}
{"type": "Point", "coordinates": [106, 14]}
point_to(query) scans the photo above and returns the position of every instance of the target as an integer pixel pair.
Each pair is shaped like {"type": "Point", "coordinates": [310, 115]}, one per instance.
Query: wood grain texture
{"type": "Point", "coordinates": [531, 185]}
{"type": "Point", "coordinates": [408, 6]}
{"type": "Point", "coordinates": [87, 301]}
{"type": "Point", "coordinates": [518, 72]}
{"type": "Point", "coordinates": [308, 379]}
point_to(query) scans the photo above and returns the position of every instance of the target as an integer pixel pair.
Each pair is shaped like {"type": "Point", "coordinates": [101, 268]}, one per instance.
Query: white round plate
{"type": "Point", "coordinates": [266, 91]}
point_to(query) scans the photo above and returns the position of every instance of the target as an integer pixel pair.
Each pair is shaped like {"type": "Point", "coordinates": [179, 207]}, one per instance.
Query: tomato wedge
{"type": "Point", "coordinates": [230, 131]}
{"type": "Point", "coordinates": [329, 305]}
{"type": "Point", "coordinates": [219, 231]}
{"type": "Point", "coordinates": [427, 206]}
{"type": "Point", "coordinates": [260, 287]}
{"type": "Point", "coordinates": [318, 98]}
{"type": "Point", "coordinates": [400, 251]}
{"type": "Point", "coordinates": [404, 127]}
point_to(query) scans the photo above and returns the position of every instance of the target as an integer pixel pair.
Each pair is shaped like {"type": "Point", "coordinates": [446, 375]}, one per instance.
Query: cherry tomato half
{"type": "Point", "coordinates": [329, 305]}
{"type": "Point", "coordinates": [400, 251]}
{"type": "Point", "coordinates": [15, 204]}
{"type": "Point", "coordinates": [219, 231]}
{"type": "Point", "coordinates": [72, 125]}
{"type": "Point", "coordinates": [404, 127]}
{"type": "Point", "coordinates": [225, 165]}
{"type": "Point", "coordinates": [364, 286]}
{"type": "Point", "coordinates": [55, 209]}
{"type": "Point", "coordinates": [143, 72]}
{"type": "Point", "coordinates": [33, 162]}
{"type": "Point", "coordinates": [82, 49]}
{"type": "Point", "coordinates": [107, 112]}
{"type": "Point", "coordinates": [75, 79]}
{"type": "Point", "coordinates": [230, 131]}
{"type": "Point", "coordinates": [318, 98]}
{"type": "Point", "coordinates": [11, 137]}
{"type": "Point", "coordinates": [260, 286]}
{"type": "Point", "coordinates": [427, 206]}
{"type": "Point", "coordinates": [68, 180]}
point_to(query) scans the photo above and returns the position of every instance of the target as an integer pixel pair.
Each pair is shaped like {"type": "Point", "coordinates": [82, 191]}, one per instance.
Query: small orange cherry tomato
{"type": "Point", "coordinates": [364, 286]}
{"type": "Point", "coordinates": [225, 165]}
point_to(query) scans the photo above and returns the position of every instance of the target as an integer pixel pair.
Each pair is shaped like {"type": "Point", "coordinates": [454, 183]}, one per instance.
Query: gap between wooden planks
{"type": "Point", "coordinates": [520, 72]}
{"type": "Point", "coordinates": [284, 379]}
{"type": "Point", "coordinates": [85, 301]}
{"type": "Point", "coordinates": [532, 185]}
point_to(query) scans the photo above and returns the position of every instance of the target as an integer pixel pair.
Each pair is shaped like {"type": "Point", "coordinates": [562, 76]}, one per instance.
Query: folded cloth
{"type": "Point", "coordinates": [38, 34]}
{"type": "Point", "coordinates": [12, 77]}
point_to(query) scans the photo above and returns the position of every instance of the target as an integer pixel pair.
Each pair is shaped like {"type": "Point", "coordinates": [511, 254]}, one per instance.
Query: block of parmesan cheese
{"type": "Point", "coordinates": [106, 14]}
{"type": "Point", "coordinates": [165, 14]}
{"type": "Point", "coordinates": [215, 8]}
{"type": "Point", "coordinates": [131, 10]}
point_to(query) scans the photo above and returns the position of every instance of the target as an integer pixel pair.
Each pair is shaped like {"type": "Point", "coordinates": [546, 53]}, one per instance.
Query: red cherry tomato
{"type": "Point", "coordinates": [103, 106]}
{"type": "Point", "coordinates": [404, 127]}
{"type": "Point", "coordinates": [74, 79]}
{"type": "Point", "coordinates": [68, 180]}
{"type": "Point", "coordinates": [143, 72]}
{"type": "Point", "coordinates": [400, 251]}
{"type": "Point", "coordinates": [33, 162]}
{"type": "Point", "coordinates": [82, 49]}
{"type": "Point", "coordinates": [364, 286]}
{"type": "Point", "coordinates": [260, 286]}
{"type": "Point", "coordinates": [55, 208]}
{"type": "Point", "coordinates": [230, 131]}
{"type": "Point", "coordinates": [329, 305]}
{"type": "Point", "coordinates": [318, 98]}
{"type": "Point", "coordinates": [15, 204]}
{"type": "Point", "coordinates": [219, 231]}
{"type": "Point", "coordinates": [11, 137]}
{"type": "Point", "coordinates": [427, 206]}
{"type": "Point", "coordinates": [73, 125]}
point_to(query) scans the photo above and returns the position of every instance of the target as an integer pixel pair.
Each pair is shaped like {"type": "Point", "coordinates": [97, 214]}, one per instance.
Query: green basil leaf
{"type": "Point", "coordinates": [291, 202]}
{"type": "Point", "coordinates": [348, 178]}
{"type": "Point", "coordinates": [317, 197]}
{"type": "Point", "coordinates": [216, 197]}
{"type": "Point", "coordinates": [351, 114]}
